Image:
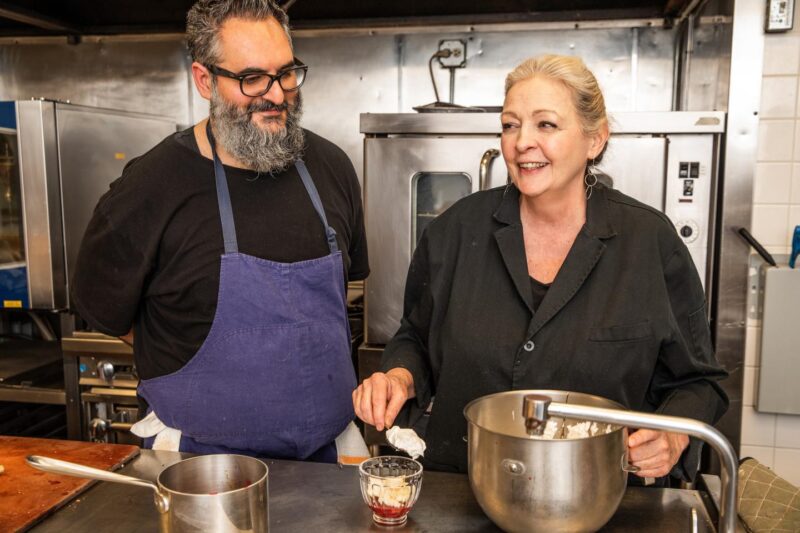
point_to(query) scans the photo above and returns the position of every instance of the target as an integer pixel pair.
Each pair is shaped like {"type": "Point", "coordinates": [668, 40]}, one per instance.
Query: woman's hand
{"type": "Point", "coordinates": [381, 396]}
{"type": "Point", "coordinates": [655, 452]}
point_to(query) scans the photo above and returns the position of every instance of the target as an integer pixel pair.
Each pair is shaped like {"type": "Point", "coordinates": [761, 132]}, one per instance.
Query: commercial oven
{"type": "Point", "coordinates": [56, 160]}
{"type": "Point", "coordinates": [417, 165]}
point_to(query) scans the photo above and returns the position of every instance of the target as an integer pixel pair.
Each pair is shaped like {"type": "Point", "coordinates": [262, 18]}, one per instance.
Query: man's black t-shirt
{"type": "Point", "coordinates": [151, 253]}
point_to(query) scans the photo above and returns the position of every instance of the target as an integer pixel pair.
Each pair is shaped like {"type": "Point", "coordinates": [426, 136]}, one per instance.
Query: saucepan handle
{"type": "Point", "coordinates": [56, 466]}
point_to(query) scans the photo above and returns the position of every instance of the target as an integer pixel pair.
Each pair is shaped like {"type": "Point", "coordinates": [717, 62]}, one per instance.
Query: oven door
{"type": "Point", "coordinates": [408, 182]}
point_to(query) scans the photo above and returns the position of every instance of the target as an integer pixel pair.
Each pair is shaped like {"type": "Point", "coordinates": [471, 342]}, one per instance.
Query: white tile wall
{"type": "Point", "coordinates": [776, 140]}
{"type": "Point", "coordinates": [774, 439]}
{"type": "Point", "coordinates": [769, 223]}
{"type": "Point", "coordinates": [763, 454]}
{"type": "Point", "coordinates": [782, 53]}
{"type": "Point", "coordinates": [778, 97]}
{"type": "Point", "coordinates": [758, 429]}
{"type": "Point", "coordinates": [795, 184]}
{"type": "Point", "coordinates": [773, 183]}
{"type": "Point", "coordinates": [787, 464]}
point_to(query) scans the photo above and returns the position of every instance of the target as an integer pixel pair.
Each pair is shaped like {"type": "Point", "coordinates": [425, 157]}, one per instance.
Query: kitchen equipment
{"type": "Point", "coordinates": [26, 497]}
{"type": "Point", "coordinates": [779, 373]}
{"type": "Point", "coordinates": [537, 407]}
{"type": "Point", "coordinates": [795, 246]}
{"type": "Point", "coordinates": [418, 165]}
{"type": "Point", "coordinates": [220, 493]}
{"type": "Point", "coordinates": [56, 160]}
{"type": "Point", "coordinates": [526, 484]}
{"type": "Point", "coordinates": [390, 486]}
{"type": "Point", "coordinates": [765, 255]}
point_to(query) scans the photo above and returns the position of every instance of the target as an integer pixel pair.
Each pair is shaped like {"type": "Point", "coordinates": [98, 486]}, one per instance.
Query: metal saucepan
{"type": "Point", "coordinates": [220, 493]}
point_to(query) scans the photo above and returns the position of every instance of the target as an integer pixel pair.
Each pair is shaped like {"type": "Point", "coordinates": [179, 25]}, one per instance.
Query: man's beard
{"type": "Point", "coordinates": [262, 150]}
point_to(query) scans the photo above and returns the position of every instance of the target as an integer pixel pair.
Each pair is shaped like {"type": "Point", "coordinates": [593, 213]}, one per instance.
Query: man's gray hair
{"type": "Point", "coordinates": [206, 18]}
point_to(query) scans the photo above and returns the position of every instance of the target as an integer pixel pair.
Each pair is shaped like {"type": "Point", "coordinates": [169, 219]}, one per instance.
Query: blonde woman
{"type": "Point", "coordinates": [554, 282]}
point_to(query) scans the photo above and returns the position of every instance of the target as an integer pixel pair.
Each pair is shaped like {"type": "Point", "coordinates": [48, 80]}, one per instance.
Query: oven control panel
{"type": "Point", "coordinates": [688, 192]}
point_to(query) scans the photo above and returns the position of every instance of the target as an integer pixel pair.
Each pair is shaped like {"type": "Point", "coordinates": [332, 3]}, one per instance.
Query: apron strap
{"type": "Point", "coordinates": [330, 233]}
{"type": "Point", "coordinates": [226, 211]}
{"type": "Point", "coordinates": [223, 198]}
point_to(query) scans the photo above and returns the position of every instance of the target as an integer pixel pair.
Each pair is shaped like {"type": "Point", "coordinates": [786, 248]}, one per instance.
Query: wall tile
{"type": "Point", "coordinates": [795, 184]}
{"type": "Point", "coordinates": [787, 431]}
{"type": "Point", "coordinates": [752, 347]}
{"type": "Point", "coordinates": [773, 183]}
{"type": "Point", "coordinates": [776, 140]}
{"type": "Point", "coordinates": [758, 429]}
{"type": "Point", "coordinates": [778, 97]}
{"type": "Point", "coordinates": [794, 220]}
{"type": "Point", "coordinates": [763, 454]}
{"type": "Point", "coordinates": [787, 465]}
{"type": "Point", "coordinates": [770, 224]}
{"type": "Point", "coordinates": [750, 385]}
{"type": "Point", "coordinates": [781, 54]}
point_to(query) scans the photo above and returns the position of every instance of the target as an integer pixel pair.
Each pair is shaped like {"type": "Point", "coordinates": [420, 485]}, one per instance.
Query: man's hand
{"type": "Point", "coordinates": [655, 452]}
{"type": "Point", "coordinates": [381, 396]}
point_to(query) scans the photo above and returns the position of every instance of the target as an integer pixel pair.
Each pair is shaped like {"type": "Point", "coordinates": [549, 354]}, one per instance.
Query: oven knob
{"type": "Point", "coordinates": [105, 371]}
{"type": "Point", "coordinates": [688, 230]}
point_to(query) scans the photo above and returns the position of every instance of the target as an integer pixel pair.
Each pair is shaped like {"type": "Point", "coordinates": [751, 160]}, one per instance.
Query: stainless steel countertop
{"type": "Point", "coordinates": [308, 497]}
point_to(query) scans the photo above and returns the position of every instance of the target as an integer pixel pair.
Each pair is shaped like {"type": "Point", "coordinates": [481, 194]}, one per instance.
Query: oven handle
{"type": "Point", "coordinates": [483, 174]}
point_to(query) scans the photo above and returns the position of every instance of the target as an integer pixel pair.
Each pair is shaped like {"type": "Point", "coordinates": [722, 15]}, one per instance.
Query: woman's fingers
{"type": "Point", "coordinates": [397, 398]}
{"type": "Point", "coordinates": [655, 452]}
{"type": "Point", "coordinates": [379, 398]}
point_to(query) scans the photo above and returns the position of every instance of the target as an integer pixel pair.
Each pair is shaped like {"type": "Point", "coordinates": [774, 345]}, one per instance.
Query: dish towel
{"type": "Point", "coordinates": [767, 503]}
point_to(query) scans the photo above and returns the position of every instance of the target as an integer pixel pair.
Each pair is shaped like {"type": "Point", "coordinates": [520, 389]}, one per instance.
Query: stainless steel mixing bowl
{"type": "Point", "coordinates": [529, 484]}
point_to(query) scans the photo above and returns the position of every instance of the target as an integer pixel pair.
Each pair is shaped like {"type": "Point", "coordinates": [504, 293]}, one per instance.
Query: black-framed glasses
{"type": "Point", "coordinates": [260, 82]}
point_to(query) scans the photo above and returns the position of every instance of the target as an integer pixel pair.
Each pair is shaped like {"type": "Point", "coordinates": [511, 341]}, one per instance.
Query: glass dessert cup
{"type": "Point", "coordinates": [390, 486]}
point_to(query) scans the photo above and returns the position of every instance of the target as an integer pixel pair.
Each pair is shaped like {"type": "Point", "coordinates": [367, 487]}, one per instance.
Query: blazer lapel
{"type": "Point", "coordinates": [581, 260]}
{"type": "Point", "coordinates": [512, 245]}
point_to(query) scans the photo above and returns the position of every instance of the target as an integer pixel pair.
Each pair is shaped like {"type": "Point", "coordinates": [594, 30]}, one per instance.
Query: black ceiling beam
{"type": "Point", "coordinates": [38, 20]}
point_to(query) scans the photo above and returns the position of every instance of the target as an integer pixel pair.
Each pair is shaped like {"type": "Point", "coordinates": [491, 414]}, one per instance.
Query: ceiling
{"type": "Point", "coordinates": [103, 17]}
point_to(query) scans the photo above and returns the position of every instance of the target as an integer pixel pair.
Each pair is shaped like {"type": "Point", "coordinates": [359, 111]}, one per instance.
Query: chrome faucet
{"type": "Point", "coordinates": [537, 408]}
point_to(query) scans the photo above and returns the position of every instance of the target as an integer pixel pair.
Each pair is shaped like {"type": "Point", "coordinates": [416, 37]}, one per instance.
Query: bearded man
{"type": "Point", "coordinates": [223, 255]}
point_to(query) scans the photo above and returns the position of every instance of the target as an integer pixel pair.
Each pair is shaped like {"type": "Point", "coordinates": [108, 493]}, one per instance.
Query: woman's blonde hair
{"type": "Point", "coordinates": [579, 80]}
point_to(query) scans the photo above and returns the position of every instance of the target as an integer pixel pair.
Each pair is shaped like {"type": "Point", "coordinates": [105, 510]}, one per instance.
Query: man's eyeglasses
{"type": "Point", "coordinates": [259, 82]}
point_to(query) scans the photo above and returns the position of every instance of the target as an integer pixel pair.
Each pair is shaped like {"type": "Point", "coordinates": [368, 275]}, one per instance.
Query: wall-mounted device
{"type": "Point", "coordinates": [780, 16]}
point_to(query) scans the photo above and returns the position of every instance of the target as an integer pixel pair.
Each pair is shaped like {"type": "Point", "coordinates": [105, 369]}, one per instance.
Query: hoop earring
{"type": "Point", "coordinates": [590, 179]}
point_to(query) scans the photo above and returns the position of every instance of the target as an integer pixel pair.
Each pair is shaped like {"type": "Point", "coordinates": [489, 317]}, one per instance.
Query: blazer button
{"type": "Point", "coordinates": [529, 346]}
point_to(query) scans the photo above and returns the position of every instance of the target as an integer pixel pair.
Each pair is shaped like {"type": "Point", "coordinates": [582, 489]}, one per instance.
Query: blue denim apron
{"type": "Point", "coordinates": [274, 377]}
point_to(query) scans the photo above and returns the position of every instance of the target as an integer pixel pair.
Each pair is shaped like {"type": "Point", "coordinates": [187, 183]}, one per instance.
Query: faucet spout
{"type": "Point", "coordinates": [534, 409]}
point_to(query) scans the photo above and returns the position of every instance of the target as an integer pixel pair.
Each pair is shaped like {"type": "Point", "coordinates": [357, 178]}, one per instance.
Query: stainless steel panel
{"type": "Point", "coordinates": [636, 164]}
{"type": "Point", "coordinates": [709, 70]}
{"type": "Point", "coordinates": [385, 70]}
{"type": "Point", "coordinates": [780, 341]}
{"type": "Point", "coordinates": [391, 164]}
{"type": "Point", "coordinates": [146, 74]}
{"type": "Point", "coordinates": [94, 145]}
{"type": "Point", "coordinates": [744, 99]}
{"type": "Point", "coordinates": [620, 122]}
{"type": "Point", "coordinates": [491, 55]}
{"type": "Point", "coordinates": [337, 90]}
{"type": "Point", "coordinates": [41, 200]}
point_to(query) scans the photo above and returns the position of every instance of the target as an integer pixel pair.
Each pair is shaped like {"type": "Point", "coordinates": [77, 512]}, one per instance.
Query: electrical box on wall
{"type": "Point", "coordinates": [780, 15]}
